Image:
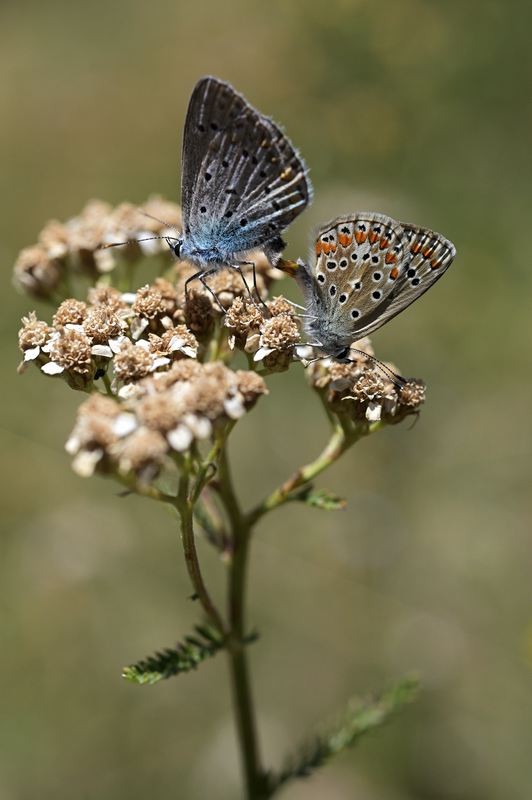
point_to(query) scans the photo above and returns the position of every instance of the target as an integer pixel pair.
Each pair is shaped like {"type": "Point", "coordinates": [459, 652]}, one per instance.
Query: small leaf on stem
{"type": "Point", "coordinates": [322, 498]}
{"type": "Point", "coordinates": [184, 657]}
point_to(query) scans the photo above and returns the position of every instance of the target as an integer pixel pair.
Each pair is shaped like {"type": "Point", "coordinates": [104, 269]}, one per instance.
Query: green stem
{"type": "Point", "coordinates": [107, 383]}
{"type": "Point", "coordinates": [255, 778]}
{"type": "Point", "coordinates": [342, 438]}
{"type": "Point", "coordinates": [186, 512]}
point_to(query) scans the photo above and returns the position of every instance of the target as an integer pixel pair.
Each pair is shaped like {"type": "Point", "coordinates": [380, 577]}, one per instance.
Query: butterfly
{"type": "Point", "coordinates": [242, 184]}
{"type": "Point", "coordinates": [365, 269]}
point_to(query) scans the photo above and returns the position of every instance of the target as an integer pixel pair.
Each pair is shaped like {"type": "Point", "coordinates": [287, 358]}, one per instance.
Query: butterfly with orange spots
{"type": "Point", "coordinates": [365, 269]}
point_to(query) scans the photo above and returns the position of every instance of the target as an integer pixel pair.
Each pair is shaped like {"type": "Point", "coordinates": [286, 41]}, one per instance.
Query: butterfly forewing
{"type": "Point", "coordinates": [243, 182]}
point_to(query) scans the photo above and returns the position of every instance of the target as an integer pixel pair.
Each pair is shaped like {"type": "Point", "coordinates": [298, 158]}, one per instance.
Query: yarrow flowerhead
{"type": "Point", "coordinates": [188, 403]}
{"type": "Point", "coordinates": [163, 355]}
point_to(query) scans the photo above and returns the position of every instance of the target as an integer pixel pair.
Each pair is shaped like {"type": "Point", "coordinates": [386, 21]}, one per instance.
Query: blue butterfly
{"type": "Point", "coordinates": [242, 182]}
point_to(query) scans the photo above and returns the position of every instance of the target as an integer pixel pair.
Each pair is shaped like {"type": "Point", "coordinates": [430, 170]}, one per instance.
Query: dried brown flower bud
{"type": "Point", "coordinates": [251, 386]}
{"type": "Point", "coordinates": [227, 284]}
{"type": "Point", "coordinates": [279, 333]}
{"type": "Point", "coordinates": [34, 332]}
{"type": "Point", "coordinates": [412, 394]}
{"type": "Point", "coordinates": [144, 453]}
{"type": "Point", "coordinates": [276, 344]}
{"type": "Point", "coordinates": [184, 370]}
{"type": "Point", "coordinates": [36, 272]}
{"type": "Point", "coordinates": [107, 296]}
{"type": "Point", "coordinates": [168, 294]}
{"type": "Point", "coordinates": [71, 312]}
{"type": "Point", "coordinates": [132, 362]}
{"type": "Point", "coordinates": [198, 313]}
{"type": "Point", "coordinates": [102, 324]}
{"type": "Point", "coordinates": [54, 239]}
{"type": "Point", "coordinates": [326, 372]}
{"type": "Point", "coordinates": [279, 305]}
{"type": "Point", "coordinates": [160, 412]}
{"type": "Point", "coordinates": [100, 424]}
{"type": "Point", "coordinates": [149, 302]}
{"type": "Point", "coordinates": [243, 317]}
{"type": "Point", "coordinates": [69, 350]}
{"type": "Point", "coordinates": [180, 339]}
{"type": "Point", "coordinates": [369, 386]}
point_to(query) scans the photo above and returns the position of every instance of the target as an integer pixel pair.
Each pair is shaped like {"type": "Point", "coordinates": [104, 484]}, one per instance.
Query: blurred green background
{"type": "Point", "coordinates": [417, 109]}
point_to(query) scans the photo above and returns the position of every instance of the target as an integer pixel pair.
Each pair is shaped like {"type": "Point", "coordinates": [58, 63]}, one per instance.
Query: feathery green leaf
{"type": "Point", "coordinates": [185, 656]}
{"type": "Point", "coordinates": [357, 720]}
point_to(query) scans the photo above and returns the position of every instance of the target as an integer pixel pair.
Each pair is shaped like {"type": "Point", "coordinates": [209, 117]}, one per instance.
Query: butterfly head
{"type": "Point", "coordinates": [326, 339]}
{"type": "Point", "coordinates": [174, 245]}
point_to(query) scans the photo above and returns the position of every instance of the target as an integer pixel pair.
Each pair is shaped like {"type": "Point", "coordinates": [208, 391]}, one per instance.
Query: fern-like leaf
{"type": "Point", "coordinates": [184, 657]}
{"type": "Point", "coordinates": [355, 722]}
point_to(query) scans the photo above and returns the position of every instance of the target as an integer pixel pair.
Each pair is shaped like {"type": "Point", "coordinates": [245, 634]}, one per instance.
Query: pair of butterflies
{"type": "Point", "coordinates": [243, 183]}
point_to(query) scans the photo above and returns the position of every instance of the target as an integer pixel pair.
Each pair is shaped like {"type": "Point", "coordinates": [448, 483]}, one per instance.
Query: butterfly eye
{"type": "Point", "coordinates": [342, 355]}
{"type": "Point", "coordinates": [175, 246]}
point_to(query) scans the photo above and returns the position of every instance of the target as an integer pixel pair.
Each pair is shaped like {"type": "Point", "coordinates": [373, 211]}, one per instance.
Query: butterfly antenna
{"type": "Point", "coordinates": [135, 241]}
{"type": "Point", "coordinates": [156, 219]}
{"type": "Point", "coordinates": [310, 361]}
{"type": "Point", "coordinates": [397, 380]}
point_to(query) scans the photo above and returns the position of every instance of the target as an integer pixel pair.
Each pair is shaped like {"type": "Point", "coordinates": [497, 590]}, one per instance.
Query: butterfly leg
{"type": "Point", "coordinates": [201, 276]}
{"type": "Point", "coordinates": [255, 287]}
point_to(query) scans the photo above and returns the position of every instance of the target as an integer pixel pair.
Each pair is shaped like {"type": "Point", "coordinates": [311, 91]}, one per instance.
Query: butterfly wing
{"type": "Point", "coordinates": [242, 180]}
{"type": "Point", "coordinates": [367, 268]}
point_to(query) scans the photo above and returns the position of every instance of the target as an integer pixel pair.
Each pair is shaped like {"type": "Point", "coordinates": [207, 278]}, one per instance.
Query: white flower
{"type": "Point", "coordinates": [373, 411]}
{"type": "Point", "coordinates": [85, 462]}
{"type": "Point", "coordinates": [101, 350]}
{"type": "Point", "coordinates": [234, 406]}
{"type": "Point", "coordinates": [138, 326]}
{"type": "Point", "coordinates": [180, 438]}
{"type": "Point", "coordinates": [177, 343]}
{"type": "Point", "coordinates": [32, 353]}
{"type": "Point", "coordinates": [124, 424]}
{"type": "Point", "coordinates": [261, 353]}
{"type": "Point", "coordinates": [52, 368]}
{"type": "Point", "coordinates": [200, 427]}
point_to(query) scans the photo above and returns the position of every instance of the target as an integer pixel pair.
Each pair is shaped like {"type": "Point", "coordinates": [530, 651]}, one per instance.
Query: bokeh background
{"type": "Point", "coordinates": [418, 109]}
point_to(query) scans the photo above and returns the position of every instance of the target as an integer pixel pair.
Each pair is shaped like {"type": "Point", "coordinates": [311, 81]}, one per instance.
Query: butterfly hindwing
{"type": "Point", "coordinates": [357, 262]}
{"type": "Point", "coordinates": [428, 255]}
{"type": "Point", "coordinates": [243, 182]}
{"type": "Point", "coordinates": [367, 268]}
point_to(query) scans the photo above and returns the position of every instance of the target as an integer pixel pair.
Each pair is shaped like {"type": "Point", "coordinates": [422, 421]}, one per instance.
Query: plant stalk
{"type": "Point", "coordinates": [186, 513]}
{"type": "Point", "coordinates": [342, 438]}
{"type": "Point", "coordinates": [244, 711]}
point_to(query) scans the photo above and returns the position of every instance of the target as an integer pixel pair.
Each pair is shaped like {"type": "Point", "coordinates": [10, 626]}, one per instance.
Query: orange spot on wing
{"type": "Point", "coordinates": [428, 250]}
{"type": "Point", "coordinates": [373, 237]}
{"type": "Point", "coordinates": [394, 274]}
{"type": "Point", "coordinates": [361, 237]}
{"type": "Point", "coordinates": [319, 247]}
{"type": "Point", "coordinates": [415, 248]}
{"type": "Point", "coordinates": [390, 258]}
{"type": "Point", "coordinates": [345, 239]}
{"type": "Point", "coordinates": [435, 263]}
{"type": "Point", "coordinates": [384, 244]}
